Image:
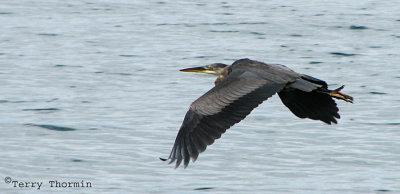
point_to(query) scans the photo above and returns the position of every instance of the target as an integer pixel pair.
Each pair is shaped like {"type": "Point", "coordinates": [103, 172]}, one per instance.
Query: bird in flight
{"type": "Point", "coordinates": [239, 89]}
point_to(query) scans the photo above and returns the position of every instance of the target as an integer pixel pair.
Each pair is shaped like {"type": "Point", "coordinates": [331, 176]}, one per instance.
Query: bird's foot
{"type": "Point", "coordinates": [337, 94]}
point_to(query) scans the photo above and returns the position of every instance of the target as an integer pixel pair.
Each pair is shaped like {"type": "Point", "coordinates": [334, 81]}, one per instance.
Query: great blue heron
{"type": "Point", "coordinates": [239, 89]}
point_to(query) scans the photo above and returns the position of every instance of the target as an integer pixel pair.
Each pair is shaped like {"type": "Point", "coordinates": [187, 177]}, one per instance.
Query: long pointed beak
{"type": "Point", "coordinates": [195, 69]}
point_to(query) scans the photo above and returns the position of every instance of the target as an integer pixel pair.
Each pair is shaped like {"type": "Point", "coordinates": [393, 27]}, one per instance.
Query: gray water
{"type": "Point", "coordinates": [90, 91]}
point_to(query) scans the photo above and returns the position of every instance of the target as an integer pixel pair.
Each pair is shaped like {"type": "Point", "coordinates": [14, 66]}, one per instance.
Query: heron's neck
{"type": "Point", "coordinates": [219, 79]}
{"type": "Point", "coordinates": [223, 74]}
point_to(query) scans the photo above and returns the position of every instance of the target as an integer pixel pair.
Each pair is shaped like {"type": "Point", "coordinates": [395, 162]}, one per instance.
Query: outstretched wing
{"type": "Point", "coordinates": [306, 99]}
{"type": "Point", "coordinates": [314, 105]}
{"type": "Point", "coordinates": [216, 111]}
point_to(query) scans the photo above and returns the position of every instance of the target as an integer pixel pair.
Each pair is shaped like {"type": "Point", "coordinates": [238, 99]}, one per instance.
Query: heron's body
{"type": "Point", "coordinates": [239, 89]}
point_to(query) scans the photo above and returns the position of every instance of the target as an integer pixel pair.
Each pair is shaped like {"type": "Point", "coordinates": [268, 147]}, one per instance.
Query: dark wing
{"type": "Point", "coordinates": [213, 113]}
{"type": "Point", "coordinates": [310, 100]}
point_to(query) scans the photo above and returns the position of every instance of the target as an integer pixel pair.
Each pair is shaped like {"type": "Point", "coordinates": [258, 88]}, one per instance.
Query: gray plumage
{"type": "Point", "coordinates": [239, 89]}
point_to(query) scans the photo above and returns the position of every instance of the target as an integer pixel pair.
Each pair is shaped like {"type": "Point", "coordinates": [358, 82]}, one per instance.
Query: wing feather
{"type": "Point", "coordinates": [213, 113]}
{"type": "Point", "coordinates": [314, 105]}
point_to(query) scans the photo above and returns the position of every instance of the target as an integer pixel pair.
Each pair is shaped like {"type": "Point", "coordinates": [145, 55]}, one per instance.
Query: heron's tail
{"type": "Point", "coordinates": [337, 94]}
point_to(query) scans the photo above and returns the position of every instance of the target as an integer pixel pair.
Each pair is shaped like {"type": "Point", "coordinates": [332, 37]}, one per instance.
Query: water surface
{"type": "Point", "coordinates": [90, 90]}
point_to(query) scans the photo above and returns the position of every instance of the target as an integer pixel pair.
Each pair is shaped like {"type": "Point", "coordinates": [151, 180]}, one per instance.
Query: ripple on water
{"type": "Point", "coordinates": [77, 160]}
{"type": "Point", "coordinates": [224, 31]}
{"type": "Point", "coordinates": [315, 62]}
{"type": "Point", "coordinates": [354, 27]}
{"type": "Point", "coordinates": [52, 127]}
{"type": "Point", "coordinates": [381, 93]}
{"type": "Point", "coordinates": [47, 34]}
{"type": "Point", "coordinates": [40, 109]}
{"type": "Point", "coordinates": [128, 55]}
{"type": "Point", "coordinates": [204, 188]}
{"type": "Point", "coordinates": [342, 54]}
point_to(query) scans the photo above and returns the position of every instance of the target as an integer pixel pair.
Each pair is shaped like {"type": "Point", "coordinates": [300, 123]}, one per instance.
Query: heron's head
{"type": "Point", "coordinates": [214, 69]}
